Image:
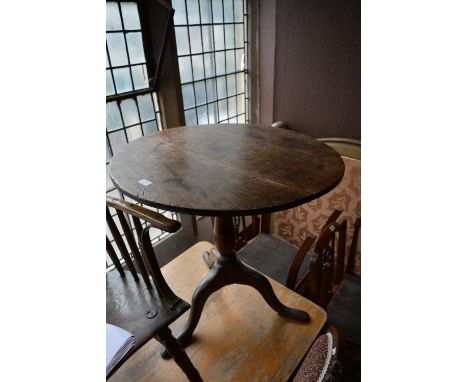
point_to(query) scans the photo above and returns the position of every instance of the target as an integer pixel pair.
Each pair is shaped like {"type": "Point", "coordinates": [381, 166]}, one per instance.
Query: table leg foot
{"type": "Point", "coordinates": [213, 281]}
{"type": "Point", "coordinates": [256, 280]}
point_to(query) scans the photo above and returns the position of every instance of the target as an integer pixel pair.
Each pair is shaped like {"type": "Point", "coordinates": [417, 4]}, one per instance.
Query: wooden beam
{"type": "Point", "coordinates": [170, 91]}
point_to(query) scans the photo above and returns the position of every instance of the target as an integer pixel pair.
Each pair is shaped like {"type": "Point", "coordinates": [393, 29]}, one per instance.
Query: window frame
{"type": "Point", "coordinates": [218, 78]}
{"type": "Point", "coordinates": [169, 88]}
{"type": "Point", "coordinates": [152, 23]}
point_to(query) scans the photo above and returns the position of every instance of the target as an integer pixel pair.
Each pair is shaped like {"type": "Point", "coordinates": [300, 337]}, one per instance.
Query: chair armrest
{"type": "Point", "coordinates": [154, 218]}
{"type": "Point", "coordinates": [296, 265]}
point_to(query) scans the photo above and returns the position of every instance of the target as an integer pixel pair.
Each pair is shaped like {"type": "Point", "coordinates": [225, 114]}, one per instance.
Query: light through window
{"type": "Point", "coordinates": [212, 43]}
{"type": "Point", "coordinates": [126, 71]}
{"type": "Point", "coordinates": [125, 66]}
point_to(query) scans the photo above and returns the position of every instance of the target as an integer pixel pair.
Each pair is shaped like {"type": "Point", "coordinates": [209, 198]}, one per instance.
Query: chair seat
{"type": "Point", "coordinates": [271, 256]}
{"type": "Point", "coordinates": [344, 310]}
{"type": "Point", "coordinates": [321, 361]}
{"type": "Point", "coordinates": [127, 303]}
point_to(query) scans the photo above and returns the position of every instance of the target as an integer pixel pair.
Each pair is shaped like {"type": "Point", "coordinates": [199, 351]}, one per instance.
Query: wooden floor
{"type": "Point", "coordinates": [239, 337]}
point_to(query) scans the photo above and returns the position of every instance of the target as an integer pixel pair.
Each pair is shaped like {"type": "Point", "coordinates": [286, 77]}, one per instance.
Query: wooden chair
{"type": "Point", "coordinates": [344, 307]}
{"type": "Point", "coordinates": [280, 260]}
{"type": "Point", "coordinates": [138, 299]}
{"type": "Point", "coordinates": [337, 288]}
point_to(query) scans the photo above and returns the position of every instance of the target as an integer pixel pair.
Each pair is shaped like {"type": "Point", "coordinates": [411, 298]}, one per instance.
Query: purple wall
{"type": "Point", "coordinates": [266, 43]}
{"type": "Point", "coordinates": [310, 66]}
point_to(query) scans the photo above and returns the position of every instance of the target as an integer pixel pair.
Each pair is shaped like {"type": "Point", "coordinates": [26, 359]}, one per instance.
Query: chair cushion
{"type": "Point", "coordinates": [295, 224]}
{"type": "Point", "coordinates": [320, 364]}
{"type": "Point", "coordinates": [344, 310]}
{"type": "Point", "coordinates": [271, 256]}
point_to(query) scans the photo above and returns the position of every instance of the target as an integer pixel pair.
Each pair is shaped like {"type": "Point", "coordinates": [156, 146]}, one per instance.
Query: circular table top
{"type": "Point", "coordinates": [216, 170]}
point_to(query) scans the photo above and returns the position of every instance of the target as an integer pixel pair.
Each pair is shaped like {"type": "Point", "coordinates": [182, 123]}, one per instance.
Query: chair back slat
{"type": "Point", "coordinates": [133, 247]}
{"type": "Point", "coordinates": [340, 258]}
{"type": "Point", "coordinates": [141, 246]}
{"type": "Point", "coordinates": [244, 225]}
{"type": "Point", "coordinates": [260, 224]}
{"type": "Point", "coordinates": [255, 225]}
{"type": "Point", "coordinates": [327, 277]}
{"type": "Point", "coordinates": [120, 244]}
{"type": "Point", "coordinates": [150, 259]}
{"type": "Point", "coordinates": [323, 271]}
{"type": "Point", "coordinates": [114, 258]}
{"type": "Point", "coordinates": [296, 265]}
{"type": "Point", "coordinates": [353, 247]}
{"type": "Point", "coordinates": [314, 284]}
{"type": "Point", "coordinates": [265, 223]}
{"type": "Point", "coordinates": [138, 229]}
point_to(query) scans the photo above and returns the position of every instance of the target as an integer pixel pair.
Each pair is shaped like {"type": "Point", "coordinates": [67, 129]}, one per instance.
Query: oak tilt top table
{"type": "Point", "coordinates": [223, 171]}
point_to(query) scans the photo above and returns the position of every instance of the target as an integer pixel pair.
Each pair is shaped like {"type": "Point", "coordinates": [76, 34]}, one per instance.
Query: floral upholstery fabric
{"type": "Point", "coordinates": [295, 224]}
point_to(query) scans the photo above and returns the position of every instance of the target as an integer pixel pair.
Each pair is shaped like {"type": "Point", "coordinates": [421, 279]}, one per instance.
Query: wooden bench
{"type": "Point", "coordinates": [239, 337]}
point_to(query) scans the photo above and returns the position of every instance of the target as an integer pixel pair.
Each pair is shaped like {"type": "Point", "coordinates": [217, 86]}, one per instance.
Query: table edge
{"type": "Point", "coordinates": [240, 212]}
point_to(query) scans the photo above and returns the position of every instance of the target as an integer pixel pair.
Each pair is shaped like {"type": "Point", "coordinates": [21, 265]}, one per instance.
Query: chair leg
{"type": "Point", "coordinates": [166, 338]}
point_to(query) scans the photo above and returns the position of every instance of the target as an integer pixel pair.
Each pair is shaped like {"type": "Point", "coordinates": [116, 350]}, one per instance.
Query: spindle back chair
{"type": "Point", "coordinates": [138, 299]}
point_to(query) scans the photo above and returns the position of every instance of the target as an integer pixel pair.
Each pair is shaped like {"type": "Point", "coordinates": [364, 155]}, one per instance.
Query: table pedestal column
{"type": "Point", "coordinates": [229, 270]}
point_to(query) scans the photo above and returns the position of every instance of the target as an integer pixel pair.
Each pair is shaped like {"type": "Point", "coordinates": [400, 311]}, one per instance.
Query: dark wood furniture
{"type": "Point", "coordinates": [325, 275]}
{"type": "Point", "coordinates": [338, 290]}
{"type": "Point", "coordinates": [139, 299]}
{"type": "Point", "coordinates": [224, 171]}
{"type": "Point", "coordinates": [344, 306]}
{"type": "Point", "coordinates": [280, 260]}
{"type": "Point", "coordinates": [290, 257]}
{"type": "Point", "coordinates": [260, 345]}
{"type": "Point", "coordinates": [280, 245]}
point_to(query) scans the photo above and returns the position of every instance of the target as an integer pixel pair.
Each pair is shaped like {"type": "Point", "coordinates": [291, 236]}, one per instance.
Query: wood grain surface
{"type": "Point", "coordinates": [240, 338]}
{"type": "Point", "coordinates": [227, 169]}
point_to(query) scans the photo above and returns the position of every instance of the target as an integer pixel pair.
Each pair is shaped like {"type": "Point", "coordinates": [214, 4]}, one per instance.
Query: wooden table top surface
{"type": "Point", "coordinates": [227, 169]}
{"type": "Point", "coordinates": [239, 337]}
